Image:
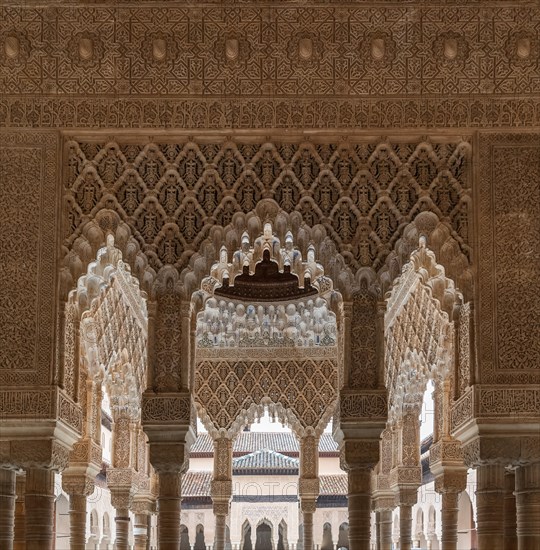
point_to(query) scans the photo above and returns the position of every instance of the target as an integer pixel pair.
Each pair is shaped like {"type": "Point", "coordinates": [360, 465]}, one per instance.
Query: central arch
{"type": "Point", "coordinates": [265, 338]}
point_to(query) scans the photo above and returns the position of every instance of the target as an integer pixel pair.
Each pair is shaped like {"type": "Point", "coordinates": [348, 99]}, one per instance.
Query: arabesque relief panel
{"type": "Point", "coordinates": [28, 225]}
{"type": "Point", "coordinates": [509, 258]}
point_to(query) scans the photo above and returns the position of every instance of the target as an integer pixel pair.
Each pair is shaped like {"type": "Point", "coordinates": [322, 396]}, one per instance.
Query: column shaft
{"type": "Point", "coordinates": [385, 529]}
{"type": "Point", "coordinates": [405, 527]}
{"type": "Point", "coordinates": [219, 537]}
{"type": "Point", "coordinates": [122, 529]}
{"type": "Point", "coordinates": [39, 505]}
{"type": "Point", "coordinates": [7, 508]}
{"type": "Point", "coordinates": [359, 509]}
{"type": "Point", "coordinates": [169, 511]}
{"type": "Point", "coordinates": [510, 526]}
{"type": "Point", "coordinates": [19, 542]}
{"type": "Point", "coordinates": [378, 530]}
{"type": "Point", "coordinates": [528, 506]}
{"type": "Point", "coordinates": [140, 531]}
{"type": "Point", "coordinates": [308, 530]}
{"type": "Point", "coordinates": [449, 517]}
{"type": "Point", "coordinates": [490, 506]}
{"type": "Point", "coordinates": [77, 522]}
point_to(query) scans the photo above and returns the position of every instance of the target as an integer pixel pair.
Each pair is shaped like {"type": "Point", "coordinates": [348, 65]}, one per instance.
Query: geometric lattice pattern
{"type": "Point", "coordinates": [226, 388]}
{"type": "Point", "coordinates": [284, 50]}
{"type": "Point", "coordinates": [364, 194]}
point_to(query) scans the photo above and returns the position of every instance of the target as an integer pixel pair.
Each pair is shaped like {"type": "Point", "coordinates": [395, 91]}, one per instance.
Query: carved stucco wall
{"type": "Point", "coordinates": [68, 67]}
{"type": "Point", "coordinates": [28, 252]}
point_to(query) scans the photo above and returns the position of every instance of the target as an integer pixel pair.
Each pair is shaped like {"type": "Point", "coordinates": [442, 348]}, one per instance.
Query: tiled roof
{"type": "Point", "coordinates": [335, 484]}
{"type": "Point", "coordinates": [249, 442]}
{"type": "Point", "coordinates": [197, 484]}
{"type": "Point", "coordinates": [264, 462]}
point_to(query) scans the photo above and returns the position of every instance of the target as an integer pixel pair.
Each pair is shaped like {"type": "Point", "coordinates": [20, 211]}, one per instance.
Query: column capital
{"type": "Point", "coordinates": [48, 454]}
{"type": "Point", "coordinates": [121, 484]}
{"type": "Point", "coordinates": [168, 457]}
{"type": "Point", "coordinates": [86, 452]}
{"type": "Point", "coordinates": [451, 481]}
{"type": "Point", "coordinates": [503, 449]}
{"type": "Point", "coordinates": [405, 477]}
{"type": "Point", "coordinates": [221, 489]}
{"type": "Point", "coordinates": [382, 502]}
{"type": "Point", "coordinates": [220, 507]}
{"type": "Point", "coordinates": [308, 505]}
{"type": "Point", "coordinates": [143, 504]}
{"type": "Point", "coordinates": [445, 453]}
{"type": "Point", "coordinates": [406, 496]}
{"type": "Point", "coordinates": [359, 454]}
{"type": "Point", "coordinates": [81, 484]}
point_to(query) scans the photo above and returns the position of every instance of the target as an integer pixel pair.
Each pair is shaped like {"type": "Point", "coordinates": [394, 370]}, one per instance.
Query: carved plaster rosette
{"type": "Point", "coordinates": [522, 48]}
{"type": "Point", "coordinates": [305, 49]}
{"type": "Point", "coordinates": [159, 49]}
{"type": "Point", "coordinates": [450, 48]}
{"type": "Point", "coordinates": [85, 50]}
{"type": "Point", "coordinates": [232, 49]}
{"type": "Point", "coordinates": [378, 49]}
{"type": "Point", "coordinates": [14, 48]}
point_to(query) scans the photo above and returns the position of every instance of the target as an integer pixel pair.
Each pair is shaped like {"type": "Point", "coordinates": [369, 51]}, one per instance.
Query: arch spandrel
{"type": "Point", "coordinates": [369, 176]}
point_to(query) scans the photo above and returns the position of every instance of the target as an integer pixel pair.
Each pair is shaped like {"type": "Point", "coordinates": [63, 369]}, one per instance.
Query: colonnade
{"type": "Point", "coordinates": [507, 499]}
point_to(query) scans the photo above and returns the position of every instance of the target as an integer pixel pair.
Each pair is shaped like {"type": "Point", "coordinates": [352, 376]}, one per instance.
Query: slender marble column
{"type": "Point", "coordinates": [140, 531]}
{"type": "Point", "coordinates": [7, 508]}
{"type": "Point", "coordinates": [528, 506]}
{"type": "Point", "coordinates": [39, 504]}
{"type": "Point", "coordinates": [490, 506]}
{"type": "Point", "coordinates": [122, 529]}
{"type": "Point", "coordinates": [19, 542]}
{"type": "Point", "coordinates": [219, 536]}
{"type": "Point", "coordinates": [449, 518]}
{"type": "Point", "coordinates": [405, 527]}
{"type": "Point", "coordinates": [308, 530]}
{"type": "Point", "coordinates": [77, 522]}
{"type": "Point", "coordinates": [377, 530]}
{"type": "Point", "coordinates": [359, 508]}
{"type": "Point", "coordinates": [169, 499]}
{"type": "Point", "coordinates": [385, 529]}
{"type": "Point", "coordinates": [149, 533]}
{"type": "Point", "coordinates": [510, 525]}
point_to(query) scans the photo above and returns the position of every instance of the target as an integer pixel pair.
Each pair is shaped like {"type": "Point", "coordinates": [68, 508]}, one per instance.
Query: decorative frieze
{"type": "Point", "coordinates": [362, 405]}
{"type": "Point", "coordinates": [280, 51]}
{"type": "Point", "coordinates": [163, 408]}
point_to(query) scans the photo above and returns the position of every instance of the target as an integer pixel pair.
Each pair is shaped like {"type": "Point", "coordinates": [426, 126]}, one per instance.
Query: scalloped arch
{"type": "Point", "coordinates": [93, 236]}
